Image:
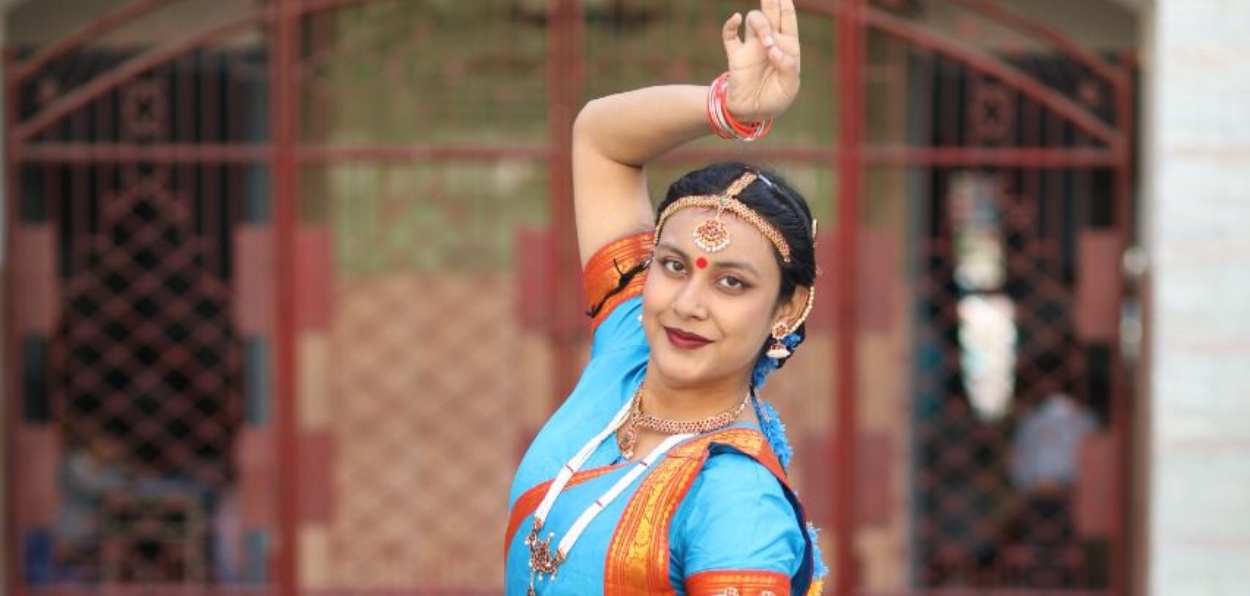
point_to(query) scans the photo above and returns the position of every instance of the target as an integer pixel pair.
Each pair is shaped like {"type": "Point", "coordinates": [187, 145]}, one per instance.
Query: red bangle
{"type": "Point", "coordinates": [723, 123]}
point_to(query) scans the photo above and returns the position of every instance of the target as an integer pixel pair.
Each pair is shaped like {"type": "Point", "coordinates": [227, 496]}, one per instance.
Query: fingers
{"type": "Point", "coordinates": [761, 28]}
{"type": "Point", "coordinates": [729, 33]}
{"type": "Point", "coordinates": [783, 62]}
{"type": "Point", "coordinates": [776, 26]}
{"type": "Point", "coordinates": [772, 10]}
{"type": "Point", "coordinates": [782, 16]}
{"type": "Point", "coordinates": [787, 17]}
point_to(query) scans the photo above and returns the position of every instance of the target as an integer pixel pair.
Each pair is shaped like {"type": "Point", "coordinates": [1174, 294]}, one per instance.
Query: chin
{"type": "Point", "coordinates": [679, 372]}
{"type": "Point", "coordinates": [676, 370]}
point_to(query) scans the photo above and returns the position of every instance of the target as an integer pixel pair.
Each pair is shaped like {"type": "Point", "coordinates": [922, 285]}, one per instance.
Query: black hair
{"type": "Point", "coordinates": [773, 199]}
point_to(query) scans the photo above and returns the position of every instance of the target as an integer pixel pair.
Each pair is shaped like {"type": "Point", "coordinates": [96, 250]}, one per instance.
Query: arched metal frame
{"type": "Point", "coordinates": [565, 66]}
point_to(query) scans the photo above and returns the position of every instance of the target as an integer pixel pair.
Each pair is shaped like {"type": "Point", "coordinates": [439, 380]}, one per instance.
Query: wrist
{"type": "Point", "coordinates": [723, 122]}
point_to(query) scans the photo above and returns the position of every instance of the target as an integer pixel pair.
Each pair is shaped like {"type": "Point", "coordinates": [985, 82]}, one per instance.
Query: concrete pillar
{"type": "Point", "coordinates": [1197, 211]}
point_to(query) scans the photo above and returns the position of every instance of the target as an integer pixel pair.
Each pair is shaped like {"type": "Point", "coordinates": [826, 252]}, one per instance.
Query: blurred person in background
{"type": "Point", "coordinates": [1044, 467]}
{"type": "Point", "coordinates": [664, 471]}
{"type": "Point", "coordinates": [93, 468]}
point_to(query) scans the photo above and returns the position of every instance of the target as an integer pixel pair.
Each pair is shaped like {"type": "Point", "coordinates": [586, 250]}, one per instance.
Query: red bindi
{"type": "Point", "coordinates": [701, 262]}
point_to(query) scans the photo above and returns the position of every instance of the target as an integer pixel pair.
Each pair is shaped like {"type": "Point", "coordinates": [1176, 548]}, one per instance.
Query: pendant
{"type": "Point", "coordinates": [542, 561]}
{"type": "Point", "coordinates": [626, 441]}
{"type": "Point", "coordinates": [711, 235]}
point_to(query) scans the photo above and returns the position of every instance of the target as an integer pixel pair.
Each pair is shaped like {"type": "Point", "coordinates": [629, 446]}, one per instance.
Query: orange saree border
{"type": "Point", "coordinates": [603, 272]}
{"type": "Point", "coordinates": [738, 583]}
{"type": "Point", "coordinates": [638, 556]}
{"type": "Point", "coordinates": [530, 499]}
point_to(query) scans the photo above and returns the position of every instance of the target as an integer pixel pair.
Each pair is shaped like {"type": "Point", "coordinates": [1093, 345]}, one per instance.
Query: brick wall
{"type": "Point", "coordinates": [1197, 177]}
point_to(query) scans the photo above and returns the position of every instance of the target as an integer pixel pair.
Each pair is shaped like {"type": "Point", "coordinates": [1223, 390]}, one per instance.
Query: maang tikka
{"type": "Point", "coordinates": [712, 235]}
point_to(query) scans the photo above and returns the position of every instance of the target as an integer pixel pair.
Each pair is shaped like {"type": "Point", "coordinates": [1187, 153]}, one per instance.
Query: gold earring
{"type": "Point", "coordinates": [779, 350]}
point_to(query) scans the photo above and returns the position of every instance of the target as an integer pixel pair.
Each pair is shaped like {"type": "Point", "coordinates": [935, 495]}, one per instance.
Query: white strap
{"type": "Point", "coordinates": [566, 543]}
{"type": "Point", "coordinates": [575, 464]}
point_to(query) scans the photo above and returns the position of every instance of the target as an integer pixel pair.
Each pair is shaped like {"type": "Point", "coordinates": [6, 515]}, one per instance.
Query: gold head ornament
{"type": "Point", "coordinates": [712, 235]}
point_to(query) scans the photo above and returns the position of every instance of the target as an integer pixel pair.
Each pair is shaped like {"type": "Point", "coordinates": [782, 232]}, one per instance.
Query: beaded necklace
{"type": "Point", "coordinates": [637, 419]}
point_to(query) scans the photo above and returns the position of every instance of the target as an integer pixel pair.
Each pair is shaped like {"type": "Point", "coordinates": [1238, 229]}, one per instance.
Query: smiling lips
{"type": "Point", "coordinates": [686, 340]}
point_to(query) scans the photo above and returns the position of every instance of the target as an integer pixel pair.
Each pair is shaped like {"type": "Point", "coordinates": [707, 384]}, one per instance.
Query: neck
{"type": "Point", "coordinates": [691, 402]}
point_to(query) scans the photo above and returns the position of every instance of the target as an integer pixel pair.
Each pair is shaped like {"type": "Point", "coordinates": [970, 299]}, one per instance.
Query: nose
{"type": "Point", "coordinates": [689, 301]}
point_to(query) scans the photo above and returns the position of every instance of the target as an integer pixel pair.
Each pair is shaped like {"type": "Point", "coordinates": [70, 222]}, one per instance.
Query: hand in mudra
{"type": "Point", "coordinates": [764, 63]}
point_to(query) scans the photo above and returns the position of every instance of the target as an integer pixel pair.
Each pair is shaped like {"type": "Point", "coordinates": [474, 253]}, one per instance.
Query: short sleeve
{"type": "Point", "coordinates": [606, 269]}
{"type": "Point", "coordinates": [736, 529]}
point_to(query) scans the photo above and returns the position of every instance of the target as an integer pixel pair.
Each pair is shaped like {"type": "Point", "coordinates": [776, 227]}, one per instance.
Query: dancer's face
{"type": "Point", "coordinates": [707, 315]}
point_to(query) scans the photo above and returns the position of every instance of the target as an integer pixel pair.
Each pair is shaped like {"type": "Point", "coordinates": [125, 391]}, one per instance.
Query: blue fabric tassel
{"type": "Point", "coordinates": [775, 431]}
{"type": "Point", "coordinates": [819, 569]}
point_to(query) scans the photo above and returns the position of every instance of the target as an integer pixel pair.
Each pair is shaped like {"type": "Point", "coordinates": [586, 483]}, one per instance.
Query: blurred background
{"type": "Point", "coordinates": [290, 284]}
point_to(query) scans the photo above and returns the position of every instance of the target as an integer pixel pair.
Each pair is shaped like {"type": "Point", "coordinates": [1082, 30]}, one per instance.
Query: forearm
{"type": "Point", "coordinates": [635, 127]}
{"type": "Point", "coordinates": [615, 137]}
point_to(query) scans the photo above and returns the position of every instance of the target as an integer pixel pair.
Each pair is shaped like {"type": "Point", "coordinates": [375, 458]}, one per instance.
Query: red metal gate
{"type": "Point", "coordinates": [293, 285]}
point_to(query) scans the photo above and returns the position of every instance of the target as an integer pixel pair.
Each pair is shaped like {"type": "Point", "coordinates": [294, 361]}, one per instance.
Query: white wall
{"type": "Point", "coordinates": [1198, 213]}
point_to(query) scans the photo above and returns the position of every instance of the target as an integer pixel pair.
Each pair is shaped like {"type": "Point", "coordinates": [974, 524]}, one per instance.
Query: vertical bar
{"type": "Point", "coordinates": [1054, 129]}
{"type": "Point", "coordinates": [283, 108]}
{"type": "Point", "coordinates": [851, 57]}
{"type": "Point", "coordinates": [209, 78]}
{"type": "Point", "coordinates": [1121, 429]}
{"type": "Point", "coordinates": [184, 100]}
{"type": "Point", "coordinates": [1031, 136]}
{"type": "Point", "coordinates": [12, 578]}
{"type": "Point", "coordinates": [921, 90]}
{"type": "Point", "coordinates": [213, 231]}
{"type": "Point", "coordinates": [565, 72]}
{"type": "Point", "coordinates": [951, 125]}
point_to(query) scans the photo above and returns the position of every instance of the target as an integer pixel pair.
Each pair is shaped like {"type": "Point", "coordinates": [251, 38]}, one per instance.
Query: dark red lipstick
{"type": "Point", "coordinates": [686, 340]}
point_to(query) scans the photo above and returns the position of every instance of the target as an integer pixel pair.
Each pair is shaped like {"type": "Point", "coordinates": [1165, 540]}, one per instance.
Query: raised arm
{"type": "Point", "coordinates": [616, 136]}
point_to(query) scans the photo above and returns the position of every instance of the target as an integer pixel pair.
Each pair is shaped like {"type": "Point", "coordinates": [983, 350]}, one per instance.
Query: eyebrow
{"type": "Point", "coordinates": [743, 265]}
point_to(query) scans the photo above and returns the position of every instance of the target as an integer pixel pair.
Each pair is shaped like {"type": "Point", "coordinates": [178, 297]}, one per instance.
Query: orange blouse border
{"type": "Point", "coordinates": [603, 272]}
{"type": "Point", "coordinates": [738, 583]}
{"type": "Point", "coordinates": [638, 556]}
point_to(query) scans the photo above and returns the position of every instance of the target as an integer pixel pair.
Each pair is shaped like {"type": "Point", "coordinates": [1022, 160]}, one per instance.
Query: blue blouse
{"type": "Point", "coordinates": [737, 515]}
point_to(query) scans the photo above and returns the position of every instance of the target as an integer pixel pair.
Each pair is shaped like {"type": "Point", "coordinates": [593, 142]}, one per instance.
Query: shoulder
{"type": "Point", "coordinates": [731, 482]}
{"type": "Point", "coordinates": [738, 515]}
{"type": "Point", "coordinates": [620, 333]}
{"type": "Point", "coordinates": [615, 274]}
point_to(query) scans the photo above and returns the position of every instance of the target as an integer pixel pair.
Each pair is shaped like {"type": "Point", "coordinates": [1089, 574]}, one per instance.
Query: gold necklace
{"type": "Point", "coordinates": [627, 439]}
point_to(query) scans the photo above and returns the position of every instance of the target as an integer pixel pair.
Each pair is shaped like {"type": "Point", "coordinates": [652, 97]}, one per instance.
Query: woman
{"type": "Point", "coordinates": [663, 473]}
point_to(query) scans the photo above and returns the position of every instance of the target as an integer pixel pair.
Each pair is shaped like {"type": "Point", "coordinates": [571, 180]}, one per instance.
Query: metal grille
{"type": "Point", "coordinates": [430, 430]}
{"type": "Point", "coordinates": [145, 355]}
{"type": "Point", "coordinates": [985, 529]}
{"type": "Point", "coordinates": [146, 352]}
{"type": "Point", "coordinates": [1003, 471]}
{"type": "Point", "coordinates": [145, 372]}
